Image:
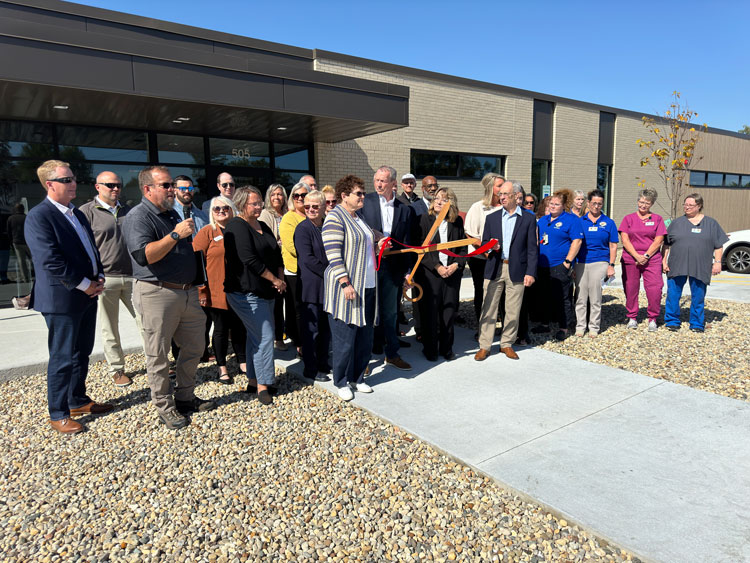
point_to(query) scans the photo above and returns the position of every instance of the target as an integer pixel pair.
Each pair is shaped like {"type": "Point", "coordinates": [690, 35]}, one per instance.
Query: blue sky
{"type": "Point", "coordinates": [628, 55]}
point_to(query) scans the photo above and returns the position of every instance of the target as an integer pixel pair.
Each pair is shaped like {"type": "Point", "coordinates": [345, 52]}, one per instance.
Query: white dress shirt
{"type": "Point", "coordinates": [386, 214]}
{"type": "Point", "coordinates": [85, 240]}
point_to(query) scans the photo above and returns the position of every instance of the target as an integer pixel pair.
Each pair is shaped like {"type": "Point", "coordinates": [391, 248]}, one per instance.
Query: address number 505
{"type": "Point", "coordinates": [241, 153]}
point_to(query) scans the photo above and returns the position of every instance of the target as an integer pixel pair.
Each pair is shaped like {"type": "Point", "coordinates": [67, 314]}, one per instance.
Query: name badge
{"type": "Point", "coordinates": [593, 228]}
{"type": "Point", "coordinates": [649, 223]}
{"type": "Point", "coordinates": [695, 231]}
{"type": "Point", "coordinates": [218, 238]}
{"type": "Point", "coordinates": [545, 239]}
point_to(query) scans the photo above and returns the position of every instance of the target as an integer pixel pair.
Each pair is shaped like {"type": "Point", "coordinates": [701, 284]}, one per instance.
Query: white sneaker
{"type": "Point", "coordinates": [361, 387]}
{"type": "Point", "coordinates": [345, 393]}
{"type": "Point", "coordinates": [632, 323]}
{"type": "Point", "coordinates": [652, 326]}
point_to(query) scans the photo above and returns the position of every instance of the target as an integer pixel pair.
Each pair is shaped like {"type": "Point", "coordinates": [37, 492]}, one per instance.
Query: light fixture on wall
{"type": "Point", "coordinates": [60, 107]}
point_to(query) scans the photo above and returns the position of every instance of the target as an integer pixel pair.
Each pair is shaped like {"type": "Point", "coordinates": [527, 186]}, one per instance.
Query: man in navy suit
{"type": "Point", "coordinates": [69, 277]}
{"type": "Point", "coordinates": [429, 188]}
{"type": "Point", "coordinates": [511, 267]}
{"type": "Point", "coordinates": [387, 214]}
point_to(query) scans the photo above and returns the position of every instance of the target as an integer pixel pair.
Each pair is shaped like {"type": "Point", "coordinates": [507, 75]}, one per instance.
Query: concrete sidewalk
{"type": "Point", "coordinates": [660, 469]}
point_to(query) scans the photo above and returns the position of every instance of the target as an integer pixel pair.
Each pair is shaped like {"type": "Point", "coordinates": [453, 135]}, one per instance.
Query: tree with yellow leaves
{"type": "Point", "coordinates": [671, 149]}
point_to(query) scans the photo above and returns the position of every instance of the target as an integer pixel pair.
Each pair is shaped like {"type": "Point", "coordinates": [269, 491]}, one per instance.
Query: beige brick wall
{"type": "Point", "coordinates": [443, 117]}
{"type": "Point", "coordinates": [575, 147]}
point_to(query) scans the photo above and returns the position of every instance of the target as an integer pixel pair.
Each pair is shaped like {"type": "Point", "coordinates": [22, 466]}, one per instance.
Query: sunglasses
{"type": "Point", "coordinates": [358, 194]}
{"type": "Point", "coordinates": [299, 195]}
{"type": "Point", "coordinates": [64, 180]}
{"type": "Point", "coordinates": [227, 185]}
{"type": "Point", "coordinates": [224, 209]}
{"type": "Point", "coordinates": [331, 202]}
{"type": "Point", "coordinates": [110, 185]}
{"type": "Point", "coordinates": [164, 185]}
{"type": "Point", "coordinates": [313, 207]}
{"type": "Point", "coordinates": [185, 188]}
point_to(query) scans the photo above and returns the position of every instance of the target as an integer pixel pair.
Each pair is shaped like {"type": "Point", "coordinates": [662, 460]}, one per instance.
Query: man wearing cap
{"type": "Point", "coordinates": [106, 214]}
{"type": "Point", "coordinates": [408, 185]}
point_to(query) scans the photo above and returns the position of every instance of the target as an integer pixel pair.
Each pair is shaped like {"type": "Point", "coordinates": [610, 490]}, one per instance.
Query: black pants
{"type": "Point", "coordinates": [293, 301]}
{"type": "Point", "coordinates": [555, 289]}
{"type": "Point", "coordinates": [278, 318]}
{"type": "Point", "coordinates": [226, 322]}
{"type": "Point", "coordinates": [476, 266]}
{"type": "Point", "coordinates": [316, 339]}
{"type": "Point", "coordinates": [438, 310]}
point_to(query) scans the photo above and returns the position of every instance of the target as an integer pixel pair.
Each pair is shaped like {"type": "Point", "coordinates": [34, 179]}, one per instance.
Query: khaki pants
{"type": "Point", "coordinates": [590, 278]}
{"type": "Point", "coordinates": [116, 289]}
{"type": "Point", "coordinates": [168, 314]}
{"type": "Point", "coordinates": [493, 290]}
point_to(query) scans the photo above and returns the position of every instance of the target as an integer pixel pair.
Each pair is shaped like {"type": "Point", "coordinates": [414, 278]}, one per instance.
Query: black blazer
{"type": "Point", "coordinates": [524, 249]}
{"type": "Point", "coordinates": [420, 208]}
{"type": "Point", "coordinates": [60, 260]}
{"type": "Point", "coordinates": [431, 260]}
{"type": "Point", "coordinates": [311, 261]}
{"type": "Point", "coordinates": [402, 230]}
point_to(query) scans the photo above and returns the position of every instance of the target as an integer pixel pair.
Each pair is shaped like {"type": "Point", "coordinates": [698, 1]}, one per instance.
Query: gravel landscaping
{"type": "Point", "coordinates": [717, 360]}
{"type": "Point", "coordinates": [308, 479]}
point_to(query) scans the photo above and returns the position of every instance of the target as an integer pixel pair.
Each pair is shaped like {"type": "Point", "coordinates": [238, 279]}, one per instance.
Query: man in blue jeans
{"type": "Point", "coordinates": [385, 213]}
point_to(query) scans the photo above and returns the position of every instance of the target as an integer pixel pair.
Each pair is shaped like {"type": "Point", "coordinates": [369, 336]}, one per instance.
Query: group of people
{"type": "Point", "coordinates": [323, 269]}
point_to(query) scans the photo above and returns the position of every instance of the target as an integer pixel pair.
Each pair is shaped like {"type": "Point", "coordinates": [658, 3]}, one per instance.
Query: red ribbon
{"type": "Point", "coordinates": [486, 247]}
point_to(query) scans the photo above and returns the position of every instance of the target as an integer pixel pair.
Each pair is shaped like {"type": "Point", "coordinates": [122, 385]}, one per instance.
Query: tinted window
{"type": "Point", "coordinates": [180, 149]}
{"type": "Point", "coordinates": [732, 180]}
{"type": "Point", "coordinates": [231, 152]}
{"type": "Point", "coordinates": [26, 140]}
{"type": "Point", "coordinates": [697, 178]}
{"type": "Point", "coordinates": [291, 157]}
{"type": "Point", "coordinates": [100, 143]}
{"type": "Point", "coordinates": [478, 166]}
{"type": "Point", "coordinates": [714, 179]}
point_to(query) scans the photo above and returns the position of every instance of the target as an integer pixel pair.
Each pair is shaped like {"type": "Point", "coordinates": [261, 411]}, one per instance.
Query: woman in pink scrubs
{"type": "Point", "coordinates": [642, 234]}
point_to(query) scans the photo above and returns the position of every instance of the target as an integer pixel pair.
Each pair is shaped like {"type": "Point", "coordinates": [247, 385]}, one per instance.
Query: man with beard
{"type": "Point", "coordinates": [185, 192]}
{"type": "Point", "coordinates": [429, 187]}
{"type": "Point", "coordinates": [164, 269]}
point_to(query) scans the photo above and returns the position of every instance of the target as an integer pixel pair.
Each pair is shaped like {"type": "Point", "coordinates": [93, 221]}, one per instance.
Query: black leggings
{"type": "Point", "coordinates": [226, 321]}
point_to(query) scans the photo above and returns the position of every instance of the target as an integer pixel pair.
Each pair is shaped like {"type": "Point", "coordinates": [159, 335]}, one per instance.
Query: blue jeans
{"type": "Point", "coordinates": [389, 295]}
{"type": "Point", "coordinates": [256, 314]}
{"type": "Point", "coordinates": [352, 345]}
{"type": "Point", "coordinates": [70, 341]}
{"type": "Point", "coordinates": [697, 299]}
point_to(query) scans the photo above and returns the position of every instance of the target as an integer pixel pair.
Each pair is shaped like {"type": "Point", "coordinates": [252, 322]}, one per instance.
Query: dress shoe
{"type": "Point", "coordinates": [322, 378]}
{"type": "Point", "coordinates": [510, 352]}
{"type": "Point", "coordinates": [66, 426]}
{"type": "Point", "coordinates": [120, 379]}
{"type": "Point", "coordinates": [225, 379]}
{"type": "Point", "coordinates": [404, 343]}
{"type": "Point", "coordinates": [196, 405]}
{"type": "Point", "coordinates": [398, 363]}
{"type": "Point", "coordinates": [450, 356]}
{"type": "Point", "coordinates": [92, 408]}
{"type": "Point", "coordinates": [482, 354]}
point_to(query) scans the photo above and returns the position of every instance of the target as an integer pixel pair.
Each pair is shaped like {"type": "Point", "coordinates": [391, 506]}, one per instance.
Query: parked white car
{"type": "Point", "coordinates": [736, 255]}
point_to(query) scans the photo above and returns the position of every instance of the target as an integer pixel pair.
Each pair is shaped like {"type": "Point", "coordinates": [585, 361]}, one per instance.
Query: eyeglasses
{"type": "Point", "coordinates": [163, 185]}
{"type": "Point", "coordinates": [595, 203]}
{"type": "Point", "coordinates": [312, 206]}
{"type": "Point", "coordinates": [227, 185]}
{"type": "Point", "coordinates": [689, 205]}
{"type": "Point", "coordinates": [529, 202]}
{"type": "Point", "coordinates": [224, 209]}
{"type": "Point", "coordinates": [313, 186]}
{"type": "Point", "coordinates": [185, 188]}
{"type": "Point", "coordinates": [331, 202]}
{"type": "Point", "coordinates": [358, 194]}
{"type": "Point", "coordinates": [299, 195]}
{"type": "Point", "coordinates": [440, 200]}
{"type": "Point", "coordinates": [64, 180]}
{"type": "Point", "coordinates": [110, 185]}
{"type": "Point", "coordinates": [255, 203]}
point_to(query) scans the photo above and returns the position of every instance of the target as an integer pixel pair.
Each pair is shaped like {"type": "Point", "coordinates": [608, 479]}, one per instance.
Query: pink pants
{"type": "Point", "coordinates": [652, 285]}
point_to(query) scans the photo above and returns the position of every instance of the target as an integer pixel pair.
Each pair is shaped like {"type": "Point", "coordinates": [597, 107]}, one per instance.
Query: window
{"type": "Point", "coordinates": [541, 173]}
{"type": "Point", "coordinates": [697, 178]}
{"type": "Point", "coordinates": [719, 179]}
{"type": "Point", "coordinates": [732, 180]}
{"type": "Point", "coordinates": [454, 165]}
{"type": "Point", "coordinates": [604, 183]}
{"type": "Point", "coordinates": [714, 179]}
{"type": "Point", "coordinates": [102, 143]}
{"type": "Point", "coordinates": [180, 149]}
{"type": "Point", "coordinates": [291, 157]}
{"type": "Point", "coordinates": [745, 181]}
{"type": "Point", "coordinates": [232, 152]}
{"type": "Point", "coordinates": [26, 140]}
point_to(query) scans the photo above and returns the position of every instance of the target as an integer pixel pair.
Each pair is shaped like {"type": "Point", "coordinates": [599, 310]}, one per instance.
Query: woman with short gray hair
{"type": "Point", "coordinates": [642, 234]}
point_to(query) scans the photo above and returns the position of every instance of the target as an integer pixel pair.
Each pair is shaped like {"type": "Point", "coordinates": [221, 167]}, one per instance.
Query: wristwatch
{"type": "Point", "coordinates": [174, 235]}
{"type": "Point", "coordinates": [566, 261]}
{"type": "Point", "coordinates": [646, 255]}
{"type": "Point", "coordinates": [612, 264]}
{"type": "Point", "coordinates": [345, 285]}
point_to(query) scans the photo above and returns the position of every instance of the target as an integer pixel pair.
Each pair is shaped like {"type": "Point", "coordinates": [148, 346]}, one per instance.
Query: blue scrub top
{"type": "Point", "coordinates": [596, 238]}
{"type": "Point", "coordinates": [555, 237]}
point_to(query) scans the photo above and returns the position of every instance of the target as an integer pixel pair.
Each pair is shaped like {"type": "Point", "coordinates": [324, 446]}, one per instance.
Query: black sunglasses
{"type": "Point", "coordinates": [227, 185]}
{"type": "Point", "coordinates": [64, 180]}
{"type": "Point", "coordinates": [299, 195]}
{"type": "Point", "coordinates": [164, 185]}
{"type": "Point", "coordinates": [224, 209]}
{"type": "Point", "coordinates": [110, 185]}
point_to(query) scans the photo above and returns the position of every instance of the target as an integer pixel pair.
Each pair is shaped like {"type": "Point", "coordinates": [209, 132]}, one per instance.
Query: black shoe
{"type": "Point", "coordinates": [226, 380]}
{"type": "Point", "coordinates": [561, 335]}
{"type": "Point", "coordinates": [272, 390]}
{"type": "Point", "coordinates": [450, 356]}
{"type": "Point", "coordinates": [696, 329]}
{"type": "Point", "coordinates": [673, 328]}
{"type": "Point", "coordinates": [196, 405]}
{"type": "Point", "coordinates": [322, 378]}
{"type": "Point", "coordinates": [430, 357]}
{"type": "Point", "coordinates": [265, 397]}
{"type": "Point", "coordinates": [404, 343]}
{"type": "Point", "coordinates": [377, 350]}
{"type": "Point", "coordinates": [541, 329]}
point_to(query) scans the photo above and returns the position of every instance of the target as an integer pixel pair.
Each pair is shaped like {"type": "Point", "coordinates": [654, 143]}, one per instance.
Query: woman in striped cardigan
{"type": "Point", "coordinates": [350, 287]}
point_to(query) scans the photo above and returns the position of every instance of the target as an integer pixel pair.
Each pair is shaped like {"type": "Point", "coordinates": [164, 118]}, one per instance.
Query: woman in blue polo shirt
{"type": "Point", "coordinates": [596, 260]}
{"type": "Point", "coordinates": [560, 237]}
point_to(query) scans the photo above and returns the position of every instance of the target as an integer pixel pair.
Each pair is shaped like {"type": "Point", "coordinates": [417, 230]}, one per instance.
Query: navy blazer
{"type": "Point", "coordinates": [420, 207]}
{"type": "Point", "coordinates": [60, 260]}
{"type": "Point", "coordinates": [524, 249]}
{"type": "Point", "coordinates": [402, 229]}
{"type": "Point", "coordinates": [311, 261]}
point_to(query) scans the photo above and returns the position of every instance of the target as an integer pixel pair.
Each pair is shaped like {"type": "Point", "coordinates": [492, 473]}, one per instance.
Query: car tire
{"type": "Point", "coordinates": [738, 260]}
